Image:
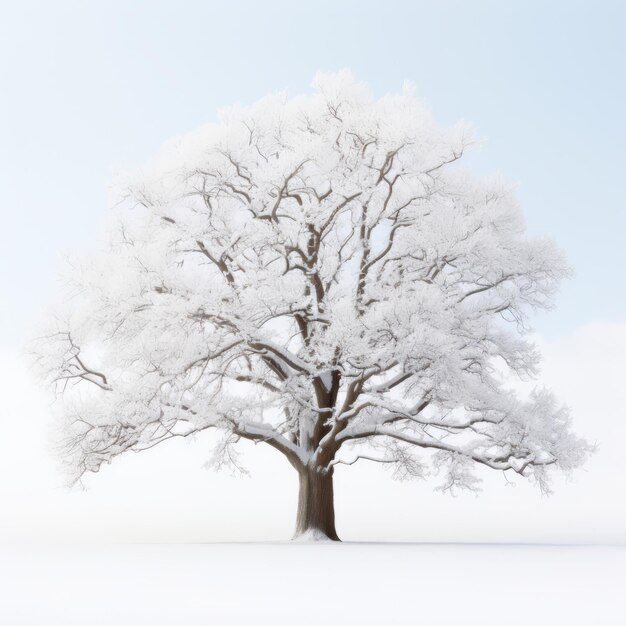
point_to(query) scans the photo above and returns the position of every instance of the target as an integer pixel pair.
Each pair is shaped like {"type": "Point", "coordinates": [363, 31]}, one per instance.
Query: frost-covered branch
{"type": "Point", "coordinates": [313, 274]}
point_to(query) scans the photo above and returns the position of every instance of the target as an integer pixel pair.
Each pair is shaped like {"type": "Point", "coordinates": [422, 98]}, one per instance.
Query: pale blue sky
{"type": "Point", "coordinates": [87, 87]}
{"type": "Point", "coordinates": [91, 86]}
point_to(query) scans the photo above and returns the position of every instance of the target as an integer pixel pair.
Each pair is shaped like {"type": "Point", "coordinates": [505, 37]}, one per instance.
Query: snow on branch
{"type": "Point", "coordinates": [309, 274]}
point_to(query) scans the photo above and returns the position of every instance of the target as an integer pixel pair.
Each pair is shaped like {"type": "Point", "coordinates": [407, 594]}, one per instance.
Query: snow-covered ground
{"type": "Point", "coordinates": [302, 584]}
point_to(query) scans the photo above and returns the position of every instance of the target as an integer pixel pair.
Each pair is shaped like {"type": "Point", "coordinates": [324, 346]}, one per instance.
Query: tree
{"type": "Point", "coordinates": [320, 275]}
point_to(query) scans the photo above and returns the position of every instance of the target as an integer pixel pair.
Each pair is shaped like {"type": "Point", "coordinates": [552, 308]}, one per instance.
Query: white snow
{"type": "Point", "coordinates": [312, 536]}
{"type": "Point", "coordinates": [305, 584]}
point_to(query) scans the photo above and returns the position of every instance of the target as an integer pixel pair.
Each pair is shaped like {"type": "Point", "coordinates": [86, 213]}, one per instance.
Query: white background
{"type": "Point", "coordinates": [165, 494]}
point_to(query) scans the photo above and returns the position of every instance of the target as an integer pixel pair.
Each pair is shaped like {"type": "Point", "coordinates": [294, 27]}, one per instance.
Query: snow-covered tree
{"type": "Point", "coordinates": [318, 274]}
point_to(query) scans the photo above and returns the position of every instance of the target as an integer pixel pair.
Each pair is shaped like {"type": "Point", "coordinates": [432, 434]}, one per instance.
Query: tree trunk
{"type": "Point", "coordinates": [316, 508]}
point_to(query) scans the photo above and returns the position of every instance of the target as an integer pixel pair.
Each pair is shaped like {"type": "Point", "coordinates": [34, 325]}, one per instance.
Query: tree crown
{"type": "Point", "coordinates": [316, 273]}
